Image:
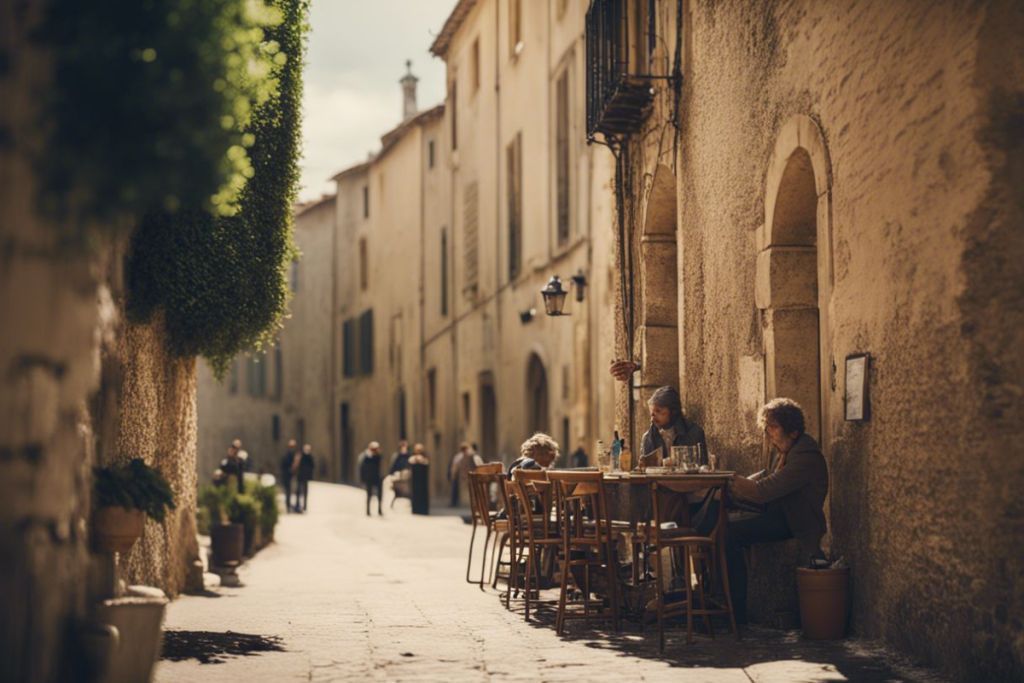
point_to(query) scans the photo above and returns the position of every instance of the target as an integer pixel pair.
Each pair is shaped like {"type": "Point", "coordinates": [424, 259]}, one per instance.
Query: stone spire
{"type": "Point", "coordinates": [408, 92]}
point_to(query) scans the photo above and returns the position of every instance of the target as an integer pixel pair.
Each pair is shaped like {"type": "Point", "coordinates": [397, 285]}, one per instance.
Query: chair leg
{"type": "Point", "coordinates": [566, 573]}
{"type": "Point", "coordinates": [689, 594]}
{"type": "Point", "coordinates": [527, 581]}
{"type": "Point", "coordinates": [723, 564]}
{"type": "Point", "coordinates": [497, 562]}
{"type": "Point", "coordinates": [483, 561]}
{"type": "Point", "coordinates": [659, 590]}
{"type": "Point", "coordinates": [699, 565]}
{"type": "Point", "coordinates": [613, 581]}
{"type": "Point", "coordinates": [469, 560]}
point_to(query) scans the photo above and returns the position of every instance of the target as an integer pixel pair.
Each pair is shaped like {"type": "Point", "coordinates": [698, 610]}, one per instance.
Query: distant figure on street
{"type": "Point", "coordinates": [400, 458]}
{"type": "Point", "coordinates": [307, 463]}
{"type": "Point", "coordinates": [233, 466]}
{"type": "Point", "coordinates": [369, 475]}
{"type": "Point", "coordinates": [286, 467]}
{"type": "Point", "coordinates": [578, 457]}
{"type": "Point", "coordinates": [538, 452]}
{"type": "Point", "coordinates": [419, 464]}
{"type": "Point", "coordinates": [463, 462]}
{"type": "Point", "coordinates": [243, 454]}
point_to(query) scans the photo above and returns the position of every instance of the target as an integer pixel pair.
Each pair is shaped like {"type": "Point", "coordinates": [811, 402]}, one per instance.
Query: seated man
{"type": "Point", "coordinates": [793, 494]}
{"type": "Point", "coordinates": [539, 452]}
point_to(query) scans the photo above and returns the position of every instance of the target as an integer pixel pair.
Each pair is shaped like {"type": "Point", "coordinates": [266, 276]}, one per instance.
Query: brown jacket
{"type": "Point", "coordinates": [799, 489]}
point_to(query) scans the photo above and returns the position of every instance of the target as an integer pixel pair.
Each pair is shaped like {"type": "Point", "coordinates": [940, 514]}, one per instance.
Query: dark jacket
{"type": "Point", "coordinates": [799, 489]}
{"type": "Point", "coordinates": [306, 466]}
{"type": "Point", "coordinates": [399, 462]}
{"type": "Point", "coordinates": [687, 434]}
{"type": "Point", "coordinates": [286, 465]}
{"type": "Point", "coordinates": [369, 467]}
{"type": "Point", "coordinates": [234, 467]}
{"type": "Point", "coordinates": [523, 463]}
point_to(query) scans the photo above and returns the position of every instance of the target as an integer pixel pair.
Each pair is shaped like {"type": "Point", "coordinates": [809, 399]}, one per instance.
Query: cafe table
{"type": "Point", "coordinates": [629, 493]}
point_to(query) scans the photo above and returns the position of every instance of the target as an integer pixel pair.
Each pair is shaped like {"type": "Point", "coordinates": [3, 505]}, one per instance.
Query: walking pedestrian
{"type": "Point", "coordinates": [286, 466]}
{"type": "Point", "coordinates": [462, 464]}
{"type": "Point", "coordinates": [305, 472]}
{"type": "Point", "coordinates": [369, 475]}
{"type": "Point", "coordinates": [233, 466]}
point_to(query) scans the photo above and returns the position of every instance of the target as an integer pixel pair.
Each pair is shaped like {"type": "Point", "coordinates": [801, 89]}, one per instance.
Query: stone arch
{"type": "Point", "coordinates": [794, 271]}
{"type": "Point", "coordinates": [658, 330]}
{"type": "Point", "coordinates": [538, 415]}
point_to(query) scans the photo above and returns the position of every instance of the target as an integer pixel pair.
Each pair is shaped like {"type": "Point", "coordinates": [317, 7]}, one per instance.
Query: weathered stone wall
{"type": "Point", "coordinates": [920, 109]}
{"type": "Point", "coordinates": [157, 422]}
{"type": "Point", "coordinates": [50, 317]}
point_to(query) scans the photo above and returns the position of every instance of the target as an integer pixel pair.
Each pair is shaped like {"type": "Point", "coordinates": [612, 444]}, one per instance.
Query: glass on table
{"type": "Point", "coordinates": [677, 459]}
{"type": "Point", "coordinates": [604, 461]}
{"type": "Point", "coordinates": [712, 462]}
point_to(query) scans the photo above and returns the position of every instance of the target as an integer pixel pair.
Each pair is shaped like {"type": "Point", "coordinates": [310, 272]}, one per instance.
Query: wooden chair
{"type": "Point", "coordinates": [537, 531]}
{"type": "Point", "coordinates": [703, 557]}
{"type": "Point", "coordinates": [480, 506]}
{"type": "Point", "coordinates": [588, 542]}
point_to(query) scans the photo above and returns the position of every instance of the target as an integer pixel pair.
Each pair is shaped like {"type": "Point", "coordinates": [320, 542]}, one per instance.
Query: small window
{"type": "Point", "coordinates": [430, 154]}
{"type": "Point", "coordinates": [275, 427]}
{"type": "Point", "coordinates": [475, 65]}
{"type": "Point", "coordinates": [278, 373]}
{"type": "Point", "coordinates": [515, 27]}
{"type": "Point", "coordinates": [444, 272]}
{"type": "Point", "coordinates": [453, 101]}
{"type": "Point", "coordinates": [366, 201]}
{"type": "Point", "coordinates": [364, 265]}
{"type": "Point", "coordinates": [366, 342]}
{"type": "Point", "coordinates": [563, 166]}
{"type": "Point", "coordinates": [514, 157]}
{"type": "Point", "coordinates": [465, 408]}
{"type": "Point", "coordinates": [348, 351]}
{"type": "Point", "coordinates": [432, 395]}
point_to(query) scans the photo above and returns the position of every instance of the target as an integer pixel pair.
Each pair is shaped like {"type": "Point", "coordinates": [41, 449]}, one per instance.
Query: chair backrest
{"type": "Point", "coordinates": [662, 490]}
{"type": "Point", "coordinates": [533, 491]}
{"type": "Point", "coordinates": [581, 497]}
{"type": "Point", "coordinates": [490, 468]}
{"type": "Point", "coordinates": [479, 500]}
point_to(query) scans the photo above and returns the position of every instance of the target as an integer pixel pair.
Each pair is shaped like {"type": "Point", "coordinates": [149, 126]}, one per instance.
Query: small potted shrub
{"type": "Point", "coordinates": [226, 537]}
{"type": "Point", "coordinates": [245, 510]}
{"type": "Point", "coordinates": [269, 512]}
{"type": "Point", "coordinates": [124, 494]}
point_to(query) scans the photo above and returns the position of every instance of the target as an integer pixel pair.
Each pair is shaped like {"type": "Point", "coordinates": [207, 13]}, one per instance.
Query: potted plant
{"type": "Point", "coordinates": [226, 537]}
{"type": "Point", "coordinates": [245, 510]}
{"type": "Point", "coordinates": [269, 512]}
{"type": "Point", "coordinates": [124, 494]}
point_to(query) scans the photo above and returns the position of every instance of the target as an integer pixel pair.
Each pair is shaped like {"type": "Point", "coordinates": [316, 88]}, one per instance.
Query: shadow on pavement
{"type": "Point", "coordinates": [213, 647]}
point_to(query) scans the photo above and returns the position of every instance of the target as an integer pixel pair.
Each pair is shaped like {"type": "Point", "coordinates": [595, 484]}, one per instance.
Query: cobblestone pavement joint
{"type": "Point", "coordinates": [384, 598]}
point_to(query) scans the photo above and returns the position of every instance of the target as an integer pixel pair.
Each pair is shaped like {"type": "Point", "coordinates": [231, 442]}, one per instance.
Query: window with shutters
{"type": "Point", "coordinates": [471, 243]}
{"type": "Point", "coordinates": [453, 105]}
{"type": "Point", "coordinates": [364, 265]}
{"type": "Point", "coordinates": [514, 167]}
{"type": "Point", "coordinates": [348, 352]}
{"type": "Point", "coordinates": [278, 373]}
{"type": "Point", "coordinates": [444, 271]}
{"type": "Point", "coordinates": [366, 342]}
{"type": "Point", "coordinates": [562, 157]}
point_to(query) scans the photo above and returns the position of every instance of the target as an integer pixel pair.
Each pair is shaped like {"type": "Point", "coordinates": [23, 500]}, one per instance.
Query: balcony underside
{"type": "Point", "coordinates": [626, 108]}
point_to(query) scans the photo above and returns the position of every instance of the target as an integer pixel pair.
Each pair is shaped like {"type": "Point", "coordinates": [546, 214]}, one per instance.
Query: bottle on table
{"type": "Point", "coordinates": [626, 460]}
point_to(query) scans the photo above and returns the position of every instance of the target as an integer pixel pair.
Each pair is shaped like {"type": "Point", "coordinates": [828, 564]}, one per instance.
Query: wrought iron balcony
{"type": "Point", "coordinates": [619, 38]}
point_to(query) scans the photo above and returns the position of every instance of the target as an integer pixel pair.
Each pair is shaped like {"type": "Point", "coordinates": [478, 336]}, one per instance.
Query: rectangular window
{"type": "Point", "coordinates": [257, 377]}
{"type": "Point", "coordinates": [453, 100]}
{"type": "Point", "coordinates": [444, 271]}
{"type": "Point", "coordinates": [515, 27]}
{"type": "Point", "coordinates": [366, 201]}
{"type": "Point", "coordinates": [430, 154]}
{"type": "Point", "coordinates": [432, 395]}
{"type": "Point", "coordinates": [562, 159]}
{"type": "Point", "coordinates": [300, 431]}
{"type": "Point", "coordinates": [275, 427]}
{"type": "Point", "coordinates": [475, 65]}
{"type": "Point", "coordinates": [514, 166]}
{"type": "Point", "coordinates": [278, 373]}
{"type": "Point", "coordinates": [348, 351]}
{"type": "Point", "coordinates": [465, 408]}
{"type": "Point", "coordinates": [471, 244]}
{"type": "Point", "coordinates": [366, 342]}
{"type": "Point", "coordinates": [364, 265]}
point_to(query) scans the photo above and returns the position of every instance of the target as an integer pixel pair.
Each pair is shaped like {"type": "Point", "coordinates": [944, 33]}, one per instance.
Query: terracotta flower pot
{"type": "Point", "coordinates": [226, 541]}
{"type": "Point", "coordinates": [824, 602]}
{"type": "Point", "coordinates": [115, 529]}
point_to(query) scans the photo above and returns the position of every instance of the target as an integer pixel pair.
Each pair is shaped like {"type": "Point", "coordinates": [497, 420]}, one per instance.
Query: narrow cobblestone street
{"type": "Point", "coordinates": [352, 597]}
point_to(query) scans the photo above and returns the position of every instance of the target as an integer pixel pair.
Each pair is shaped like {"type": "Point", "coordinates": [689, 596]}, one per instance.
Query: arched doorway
{"type": "Point", "coordinates": [488, 417]}
{"type": "Point", "coordinates": [537, 413]}
{"type": "Point", "coordinates": [794, 272]}
{"type": "Point", "coordinates": [658, 336]}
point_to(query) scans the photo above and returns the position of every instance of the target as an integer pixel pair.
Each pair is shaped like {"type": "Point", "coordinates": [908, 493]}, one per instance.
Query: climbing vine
{"type": "Point", "coordinates": [221, 280]}
{"type": "Point", "coordinates": [150, 104]}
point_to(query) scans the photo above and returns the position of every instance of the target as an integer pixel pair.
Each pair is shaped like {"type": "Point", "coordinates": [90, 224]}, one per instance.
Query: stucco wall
{"type": "Point", "coordinates": [919, 107]}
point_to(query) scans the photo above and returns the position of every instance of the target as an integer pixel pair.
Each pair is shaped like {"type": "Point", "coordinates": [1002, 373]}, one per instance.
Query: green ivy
{"type": "Point", "coordinates": [221, 281]}
{"type": "Point", "coordinates": [150, 102]}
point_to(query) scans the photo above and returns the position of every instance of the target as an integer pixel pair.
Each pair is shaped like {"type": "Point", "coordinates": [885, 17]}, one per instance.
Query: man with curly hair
{"type": "Point", "coordinates": [539, 452]}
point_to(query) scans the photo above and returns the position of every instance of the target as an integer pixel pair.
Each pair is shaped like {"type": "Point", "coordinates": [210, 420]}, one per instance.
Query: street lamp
{"type": "Point", "coordinates": [554, 294]}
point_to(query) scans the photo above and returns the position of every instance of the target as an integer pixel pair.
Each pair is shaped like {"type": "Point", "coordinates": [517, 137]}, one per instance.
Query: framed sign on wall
{"type": "Point", "coordinates": [858, 408]}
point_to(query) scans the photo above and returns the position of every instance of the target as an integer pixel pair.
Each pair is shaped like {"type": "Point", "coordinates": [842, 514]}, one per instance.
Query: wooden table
{"type": "Point", "coordinates": [629, 493]}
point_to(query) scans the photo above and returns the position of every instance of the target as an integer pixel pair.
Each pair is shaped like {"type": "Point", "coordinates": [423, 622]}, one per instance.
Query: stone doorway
{"type": "Point", "coordinates": [488, 418]}
{"type": "Point", "coordinates": [538, 419]}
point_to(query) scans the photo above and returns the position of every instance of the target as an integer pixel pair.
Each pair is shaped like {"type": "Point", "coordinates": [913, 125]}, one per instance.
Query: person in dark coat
{"type": "Point", "coordinates": [578, 457]}
{"type": "Point", "coordinates": [369, 475]}
{"type": "Point", "coordinates": [669, 427]}
{"type": "Point", "coordinates": [307, 463]}
{"type": "Point", "coordinates": [233, 466]}
{"type": "Point", "coordinates": [400, 458]}
{"type": "Point", "coordinates": [286, 467]}
{"type": "Point", "coordinates": [792, 492]}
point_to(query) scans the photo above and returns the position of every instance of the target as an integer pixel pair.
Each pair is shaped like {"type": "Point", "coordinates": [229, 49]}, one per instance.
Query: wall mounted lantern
{"type": "Point", "coordinates": [554, 294]}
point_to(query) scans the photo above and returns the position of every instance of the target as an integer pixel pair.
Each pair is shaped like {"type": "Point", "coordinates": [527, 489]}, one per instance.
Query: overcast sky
{"type": "Point", "coordinates": [357, 53]}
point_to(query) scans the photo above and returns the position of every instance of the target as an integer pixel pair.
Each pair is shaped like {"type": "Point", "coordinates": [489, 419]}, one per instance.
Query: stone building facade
{"type": "Point", "coordinates": [814, 181]}
{"type": "Point", "coordinates": [283, 393]}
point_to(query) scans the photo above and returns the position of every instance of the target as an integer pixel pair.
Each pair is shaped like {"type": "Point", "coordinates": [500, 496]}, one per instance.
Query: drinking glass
{"type": "Point", "coordinates": [604, 461]}
{"type": "Point", "coordinates": [678, 458]}
{"type": "Point", "coordinates": [712, 462]}
{"type": "Point", "coordinates": [691, 461]}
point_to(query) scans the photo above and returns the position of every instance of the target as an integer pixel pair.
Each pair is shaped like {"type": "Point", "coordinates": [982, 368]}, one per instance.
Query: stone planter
{"type": "Point", "coordinates": [115, 529]}
{"type": "Point", "coordinates": [227, 542]}
{"type": "Point", "coordinates": [138, 620]}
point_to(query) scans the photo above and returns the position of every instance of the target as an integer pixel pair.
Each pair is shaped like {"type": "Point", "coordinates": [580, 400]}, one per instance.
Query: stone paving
{"type": "Point", "coordinates": [384, 598]}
